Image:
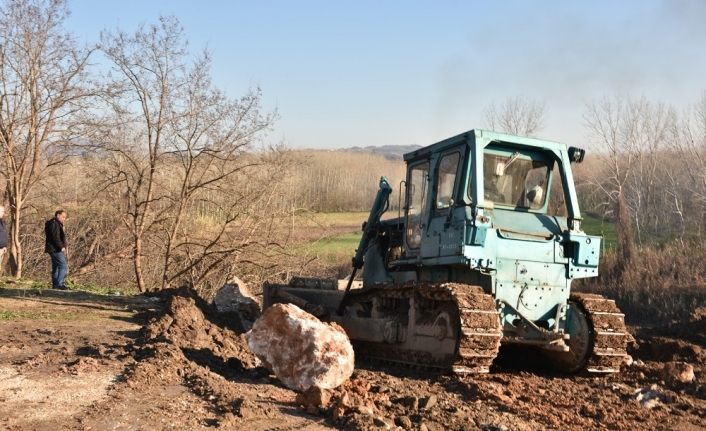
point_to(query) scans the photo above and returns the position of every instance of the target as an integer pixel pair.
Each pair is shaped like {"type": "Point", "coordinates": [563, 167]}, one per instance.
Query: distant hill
{"type": "Point", "coordinates": [391, 152]}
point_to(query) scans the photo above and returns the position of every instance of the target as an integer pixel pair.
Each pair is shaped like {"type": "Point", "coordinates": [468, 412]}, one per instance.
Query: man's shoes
{"type": "Point", "coordinates": [60, 288]}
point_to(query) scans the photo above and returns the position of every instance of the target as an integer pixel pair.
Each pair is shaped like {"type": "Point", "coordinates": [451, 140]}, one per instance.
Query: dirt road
{"type": "Point", "coordinates": [73, 360]}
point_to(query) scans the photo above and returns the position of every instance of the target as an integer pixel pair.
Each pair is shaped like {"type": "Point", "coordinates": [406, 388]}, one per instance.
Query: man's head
{"type": "Point", "coordinates": [60, 215]}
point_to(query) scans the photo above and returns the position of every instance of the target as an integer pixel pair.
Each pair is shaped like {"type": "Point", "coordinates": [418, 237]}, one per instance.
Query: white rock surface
{"type": "Point", "coordinates": [652, 397]}
{"type": "Point", "coordinates": [301, 350]}
{"type": "Point", "coordinates": [234, 298]}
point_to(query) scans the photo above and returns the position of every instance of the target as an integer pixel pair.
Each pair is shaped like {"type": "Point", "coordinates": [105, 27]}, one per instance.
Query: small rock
{"type": "Point", "coordinates": [235, 299]}
{"type": "Point", "coordinates": [312, 410]}
{"type": "Point", "coordinates": [428, 402]}
{"type": "Point", "coordinates": [380, 422]}
{"type": "Point", "coordinates": [677, 372]}
{"type": "Point", "coordinates": [244, 408]}
{"type": "Point", "coordinates": [411, 403]}
{"type": "Point", "coordinates": [314, 395]}
{"type": "Point", "coordinates": [404, 421]}
{"type": "Point", "coordinates": [365, 410]}
{"type": "Point", "coordinates": [338, 412]}
{"type": "Point", "coordinates": [345, 400]}
{"type": "Point", "coordinates": [651, 397]}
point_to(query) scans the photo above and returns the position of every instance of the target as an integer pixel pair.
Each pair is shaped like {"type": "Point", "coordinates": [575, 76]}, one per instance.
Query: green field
{"type": "Point", "coordinates": [343, 244]}
{"type": "Point", "coordinates": [595, 226]}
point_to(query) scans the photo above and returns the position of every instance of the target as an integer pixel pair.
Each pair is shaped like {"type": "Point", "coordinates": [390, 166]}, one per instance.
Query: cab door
{"type": "Point", "coordinates": [416, 200]}
{"type": "Point", "coordinates": [443, 236]}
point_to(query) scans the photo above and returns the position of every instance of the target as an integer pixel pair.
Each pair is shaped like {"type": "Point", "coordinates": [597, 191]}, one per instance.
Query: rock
{"type": "Point", "coordinates": [338, 412]}
{"type": "Point", "coordinates": [651, 397]}
{"type": "Point", "coordinates": [314, 396]}
{"type": "Point", "coordinates": [382, 423]}
{"type": "Point", "coordinates": [235, 299]}
{"type": "Point", "coordinates": [301, 350]}
{"type": "Point", "coordinates": [404, 421]}
{"type": "Point", "coordinates": [411, 403]}
{"type": "Point", "coordinates": [245, 408]}
{"type": "Point", "coordinates": [365, 410]}
{"type": "Point", "coordinates": [313, 410]}
{"type": "Point", "coordinates": [428, 402]}
{"type": "Point", "coordinates": [677, 372]}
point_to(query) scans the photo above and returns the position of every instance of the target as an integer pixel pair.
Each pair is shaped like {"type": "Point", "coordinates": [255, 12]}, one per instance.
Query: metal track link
{"type": "Point", "coordinates": [611, 337]}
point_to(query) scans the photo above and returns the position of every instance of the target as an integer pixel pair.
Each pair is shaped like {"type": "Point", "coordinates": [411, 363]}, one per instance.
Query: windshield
{"type": "Point", "coordinates": [514, 180]}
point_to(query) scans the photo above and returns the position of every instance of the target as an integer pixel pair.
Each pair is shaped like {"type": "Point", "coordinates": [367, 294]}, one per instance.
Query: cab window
{"type": "Point", "coordinates": [516, 181]}
{"type": "Point", "coordinates": [448, 168]}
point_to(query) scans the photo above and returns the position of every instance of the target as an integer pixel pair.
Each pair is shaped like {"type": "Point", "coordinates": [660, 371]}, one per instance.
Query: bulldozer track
{"type": "Point", "coordinates": [479, 332]}
{"type": "Point", "coordinates": [610, 335]}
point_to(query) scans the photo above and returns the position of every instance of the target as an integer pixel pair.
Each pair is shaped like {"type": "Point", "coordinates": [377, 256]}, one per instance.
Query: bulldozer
{"type": "Point", "coordinates": [474, 260]}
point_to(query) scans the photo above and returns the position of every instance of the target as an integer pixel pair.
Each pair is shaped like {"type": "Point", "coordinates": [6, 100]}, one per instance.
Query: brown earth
{"type": "Point", "coordinates": [73, 360]}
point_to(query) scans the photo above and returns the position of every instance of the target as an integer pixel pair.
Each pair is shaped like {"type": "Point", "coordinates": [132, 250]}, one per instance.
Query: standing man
{"type": "Point", "coordinates": [4, 238]}
{"type": "Point", "coordinates": [56, 247]}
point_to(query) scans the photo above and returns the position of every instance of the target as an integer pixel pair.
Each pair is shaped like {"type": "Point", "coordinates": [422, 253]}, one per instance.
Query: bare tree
{"type": "Point", "coordinates": [630, 135]}
{"type": "Point", "coordinates": [43, 74]}
{"type": "Point", "coordinates": [518, 115]}
{"type": "Point", "coordinates": [175, 142]}
{"type": "Point", "coordinates": [149, 69]}
{"type": "Point", "coordinates": [212, 138]}
{"type": "Point", "coordinates": [688, 143]}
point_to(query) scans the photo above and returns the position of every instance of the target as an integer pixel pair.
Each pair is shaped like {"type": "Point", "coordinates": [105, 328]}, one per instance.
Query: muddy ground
{"type": "Point", "coordinates": [72, 360]}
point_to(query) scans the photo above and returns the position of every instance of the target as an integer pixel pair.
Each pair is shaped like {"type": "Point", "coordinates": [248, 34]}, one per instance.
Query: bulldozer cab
{"type": "Point", "coordinates": [459, 182]}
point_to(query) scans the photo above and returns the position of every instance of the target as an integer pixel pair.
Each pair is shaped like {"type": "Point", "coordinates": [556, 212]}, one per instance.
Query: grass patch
{"type": "Point", "coordinates": [14, 315]}
{"type": "Point", "coordinates": [595, 226]}
{"type": "Point", "coordinates": [339, 236]}
{"type": "Point", "coordinates": [345, 243]}
{"type": "Point", "coordinates": [8, 315]}
{"type": "Point", "coordinates": [100, 290]}
{"type": "Point", "coordinates": [26, 284]}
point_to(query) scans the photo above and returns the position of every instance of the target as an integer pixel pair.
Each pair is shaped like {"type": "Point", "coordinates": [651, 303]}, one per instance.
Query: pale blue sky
{"type": "Point", "coordinates": [358, 73]}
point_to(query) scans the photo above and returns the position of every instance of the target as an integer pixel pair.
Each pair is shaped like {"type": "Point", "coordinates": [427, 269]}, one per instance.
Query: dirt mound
{"type": "Point", "coordinates": [189, 344]}
{"type": "Point", "coordinates": [682, 341]}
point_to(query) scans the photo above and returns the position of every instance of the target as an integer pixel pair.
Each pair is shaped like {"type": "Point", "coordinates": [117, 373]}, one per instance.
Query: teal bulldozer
{"type": "Point", "coordinates": [474, 259]}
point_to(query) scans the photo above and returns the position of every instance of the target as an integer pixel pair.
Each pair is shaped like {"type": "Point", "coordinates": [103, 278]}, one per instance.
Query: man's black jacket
{"type": "Point", "coordinates": [4, 239]}
{"type": "Point", "coordinates": [54, 231]}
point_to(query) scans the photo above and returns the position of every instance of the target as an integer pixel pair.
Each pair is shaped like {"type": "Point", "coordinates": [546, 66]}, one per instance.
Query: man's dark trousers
{"type": "Point", "coordinates": [59, 266]}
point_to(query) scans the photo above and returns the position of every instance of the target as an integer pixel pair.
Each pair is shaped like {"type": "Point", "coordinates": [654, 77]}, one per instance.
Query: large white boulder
{"type": "Point", "coordinates": [301, 350]}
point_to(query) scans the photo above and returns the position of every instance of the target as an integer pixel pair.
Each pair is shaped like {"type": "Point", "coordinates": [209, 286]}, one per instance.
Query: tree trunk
{"type": "Point", "coordinates": [137, 259]}
{"type": "Point", "coordinates": [15, 257]}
